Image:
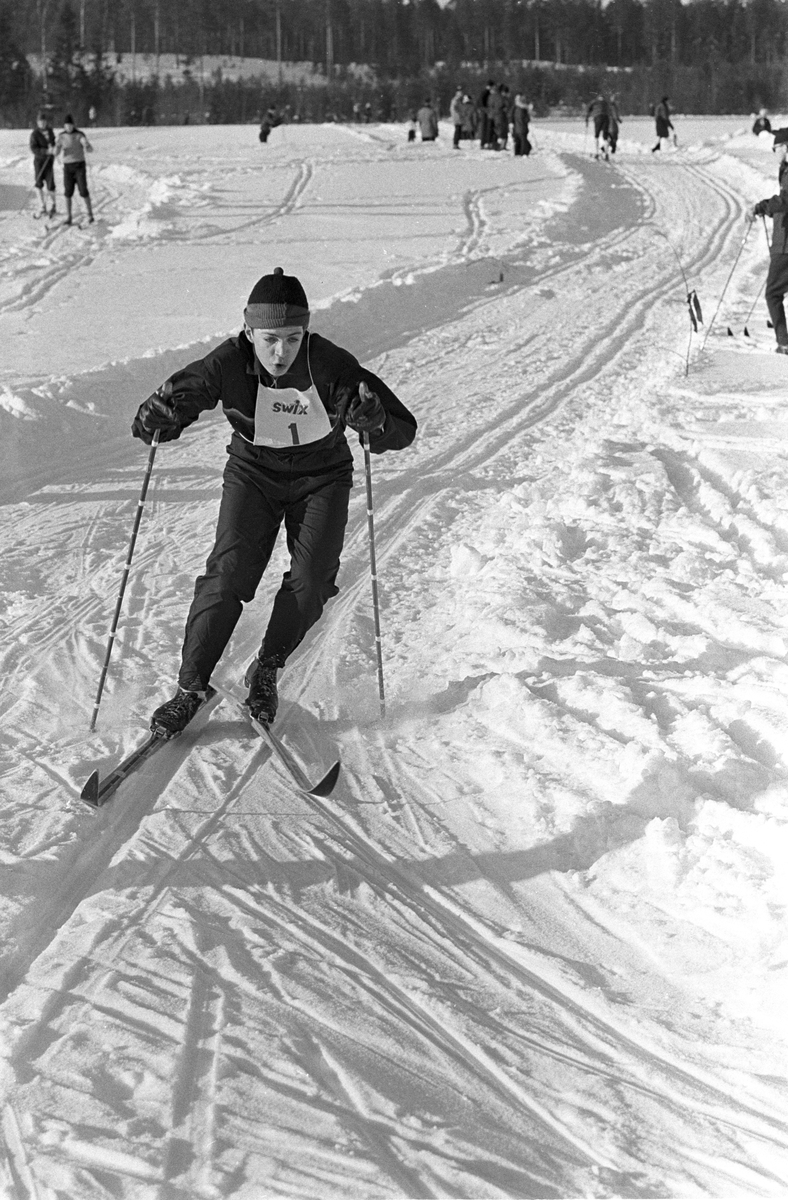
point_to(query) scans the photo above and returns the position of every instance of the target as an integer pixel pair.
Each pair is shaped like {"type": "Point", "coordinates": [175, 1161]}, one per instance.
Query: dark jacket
{"type": "Point", "coordinates": [40, 142]}
{"type": "Point", "coordinates": [776, 207]}
{"type": "Point", "coordinates": [662, 119]}
{"type": "Point", "coordinates": [229, 376]}
{"type": "Point", "coordinates": [428, 121]}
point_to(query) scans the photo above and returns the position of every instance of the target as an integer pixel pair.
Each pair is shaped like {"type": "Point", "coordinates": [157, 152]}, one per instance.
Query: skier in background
{"type": "Point", "coordinates": [599, 111]}
{"type": "Point", "coordinates": [42, 144]}
{"type": "Point", "coordinates": [762, 124]}
{"type": "Point", "coordinates": [776, 207]}
{"type": "Point", "coordinates": [289, 395]}
{"type": "Point", "coordinates": [613, 124]}
{"type": "Point", "coordinates": [663, 123]}
{"type": "Point", "coordinates": [72, 144]}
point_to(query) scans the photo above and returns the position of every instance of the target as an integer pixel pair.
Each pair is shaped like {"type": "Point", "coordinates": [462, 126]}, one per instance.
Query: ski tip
{"type": "Point", "coordinates": [327, 784]}
{"type": "Point", "coordinates": [90, 792]}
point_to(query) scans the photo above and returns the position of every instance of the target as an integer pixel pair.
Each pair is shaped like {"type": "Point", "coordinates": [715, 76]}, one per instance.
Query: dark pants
{"type": "Point", "coordinates": [260, 491]}
{"type": "Point", "coordinates": [45, 172]}
{"type": "Point", "coordinates": [521, 143]}
{"type": "Point", "coordinates": [776, 289]}
{"type": "Point", "coordinates": [457, 134]}
{"type": "Point", "coordinates": [75, 175]}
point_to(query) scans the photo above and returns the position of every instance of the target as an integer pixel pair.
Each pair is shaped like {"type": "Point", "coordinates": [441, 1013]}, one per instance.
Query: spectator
{"type": "Point", "coordinates": [456, 112]}
{"type": "Point", "coordinates": [428, 121]}
{"type": "Point", "coordinates": [521, 119]}
{"type": "Point", "coordinates": [663, 123]}
{"type": "Point", "coordinates": [484, 116]}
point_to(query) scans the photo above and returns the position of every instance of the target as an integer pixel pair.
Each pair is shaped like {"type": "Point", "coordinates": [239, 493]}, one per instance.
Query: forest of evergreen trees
{"type": "Point", "coordinates": [710, 55]}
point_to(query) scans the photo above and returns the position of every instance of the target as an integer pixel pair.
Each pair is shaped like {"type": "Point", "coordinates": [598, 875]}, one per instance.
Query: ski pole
{"type": "Point", "coordinates": [124, 579]}
{"type": "Point", "coordinates": [373, 571]}
{"type": "Point", "coordinates": [727, 281]}
{"type": "Point", "coordinates": [763, 285]}
{"type": "Point", "coordinates": [39, 174]}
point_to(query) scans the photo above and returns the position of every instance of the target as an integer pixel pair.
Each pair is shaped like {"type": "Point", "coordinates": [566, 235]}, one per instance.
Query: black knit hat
{"type": "Point", "coordinates": [780, 136]}
{"type": "Point", "coordinates": [276, 301]}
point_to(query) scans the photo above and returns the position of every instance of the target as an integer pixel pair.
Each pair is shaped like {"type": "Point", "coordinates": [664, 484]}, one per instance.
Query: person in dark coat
{"type": "Point", "coordinates": [776, 207]}
{"type": "Point", "coordinates": [42, 144]}
{"type": "Point", "coordinates": [428, 121]}
{"type": "Point", "coordinates": [521, 119]}
{"type": "Point", "coordinates": [598, 111]}
{"type": "Point", "coordinates": [613, 124]}
{"type": "Point", "coordinates": [663, 123]}
{"type": "Point", "coordinates": [289, 395]}
{"type": "Point", "coordinates": [485, 130]}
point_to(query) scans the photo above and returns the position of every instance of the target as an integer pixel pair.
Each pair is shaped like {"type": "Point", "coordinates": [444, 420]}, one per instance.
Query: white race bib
{"type": "Point", "coordinates": [285, 417]}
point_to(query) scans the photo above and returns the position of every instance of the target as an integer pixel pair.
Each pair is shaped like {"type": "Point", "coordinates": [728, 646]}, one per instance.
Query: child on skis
{"type": "Point", "coordinates": [72, 143]}
{"type": "Point", "coordinates": [289, 394]}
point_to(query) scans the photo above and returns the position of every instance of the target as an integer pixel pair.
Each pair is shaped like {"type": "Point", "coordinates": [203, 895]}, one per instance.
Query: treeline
{"type": "Point", "coordinates": [708, 55]}
{"type": "Point", "coordinates": [402, 37]}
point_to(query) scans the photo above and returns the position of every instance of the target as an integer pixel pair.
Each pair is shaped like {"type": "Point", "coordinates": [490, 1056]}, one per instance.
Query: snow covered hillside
{"type": "Point", "coordinates": [534, 944]}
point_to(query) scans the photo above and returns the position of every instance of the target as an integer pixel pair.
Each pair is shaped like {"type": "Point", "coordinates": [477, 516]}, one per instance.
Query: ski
{"type": "Point", "coordinates": [323, 787]}
{"type": "Point", "coordinates": [97, 791]}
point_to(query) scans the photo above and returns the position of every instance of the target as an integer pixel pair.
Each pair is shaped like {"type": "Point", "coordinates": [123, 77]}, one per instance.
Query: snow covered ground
{"type": "Point", "coordinates": [534, 945]}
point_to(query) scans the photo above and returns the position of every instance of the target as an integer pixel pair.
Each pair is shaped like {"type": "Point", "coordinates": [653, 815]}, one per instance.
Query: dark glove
{"type": "Point", "coordinates": [362, 411]}
{"type": "Point", "coordinates": [157, 413]}
{"type": "Point", "coordinates": [759, 209]}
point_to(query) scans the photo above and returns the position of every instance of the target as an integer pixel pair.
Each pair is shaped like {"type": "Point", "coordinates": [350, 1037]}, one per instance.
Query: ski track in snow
{"type": "Point", "coordinates": [533, 945]}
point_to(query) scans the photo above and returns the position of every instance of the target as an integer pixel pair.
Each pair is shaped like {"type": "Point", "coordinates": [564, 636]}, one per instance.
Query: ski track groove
{"type": "Point", "coordinates": [119, 824]}
{"type": "Point", "coordinates": [370, 1130]}
{"type": "Point", "coordinates": [357, 964]}
{"type": "Point", "coordinates": [291, 201]}
{"type": "Point", "coordinates": [191, 1137]}
{"type": "Point", "coordinates": [431, 904]}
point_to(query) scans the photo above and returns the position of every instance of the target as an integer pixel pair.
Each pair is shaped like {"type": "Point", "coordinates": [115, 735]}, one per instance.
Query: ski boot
{"type": "Point", "coordinates": [174, 715]}
{"type": "Point", "coordinates": [263, 698]}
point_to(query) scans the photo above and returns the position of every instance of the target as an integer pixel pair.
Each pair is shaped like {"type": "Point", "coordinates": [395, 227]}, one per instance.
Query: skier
{"type": "Point", "coordinates": [613, 125]}
{"type": "Point", "coordinates": [776, 207]}
{"type": "Point", "coordinates": [269, 122]}
{"type": "Point", "coordinates": [72, 144]}
{"type": "Point", "coordinates": [288, 394]}
{"type": "Point", "coordinates": [42, 144]}
{"type": "Point", "coordinates": [663, 123]}
{"type": "Point", "coordinates": [761, 124]}
{"type": "Point", "coordinates": [599, 110]}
